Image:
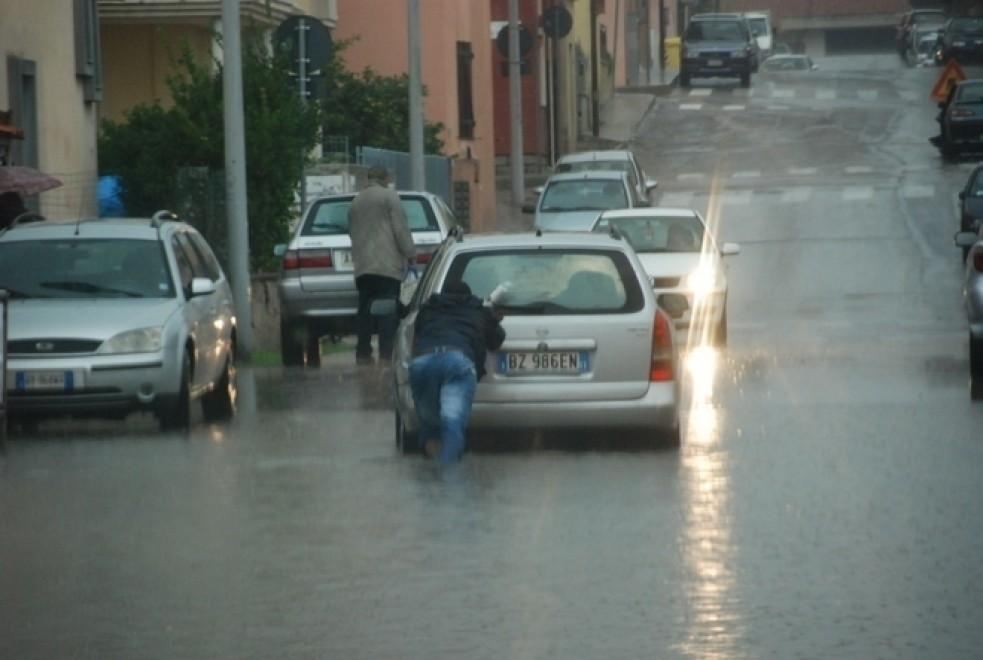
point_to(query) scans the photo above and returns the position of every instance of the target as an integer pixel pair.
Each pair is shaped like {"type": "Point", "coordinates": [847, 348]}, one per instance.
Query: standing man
{"type": "Point", "coordinates": [382, 246]}
{"type": "Point", "coordinates": [452, 332]}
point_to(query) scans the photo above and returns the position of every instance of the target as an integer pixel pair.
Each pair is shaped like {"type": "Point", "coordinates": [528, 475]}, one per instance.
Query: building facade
{"type": "Point", "coordinates": [52, 88]}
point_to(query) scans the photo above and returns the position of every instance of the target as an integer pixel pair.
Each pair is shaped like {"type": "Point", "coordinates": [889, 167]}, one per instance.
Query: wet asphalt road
{"type": "Point", "coordinates": [824, 504]}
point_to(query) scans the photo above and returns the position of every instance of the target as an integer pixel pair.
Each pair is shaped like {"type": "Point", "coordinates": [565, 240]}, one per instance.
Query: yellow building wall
{"type": "Point", "coordinates": [66, 123]}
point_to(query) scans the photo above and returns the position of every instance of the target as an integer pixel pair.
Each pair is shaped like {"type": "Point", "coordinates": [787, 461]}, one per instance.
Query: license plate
{"type": "Point", "coordinates": [543, 362]}
{"type": "Point", "coordinates": [61, 381]}
{"type": "Point", "coordinates": [715, 62]}
{"type": "Point", "coordinates": [342, 259]}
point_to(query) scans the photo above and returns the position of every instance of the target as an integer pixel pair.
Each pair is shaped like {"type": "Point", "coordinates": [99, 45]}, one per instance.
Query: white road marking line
{"type": "Point", "coordinates": [802, 171]}
{"type": "Point", "coordinates": [868, 94]}
{"type": "Point", "coordinates": [736, 197]}
{"type": "Point", "coordinates": [700, 92]}
{"type": "Point", "coordinates": [691, 176]}
{"type": "Point", "coordinates": [778, 108]}
{"type": "Point", "coordinates": [734, 108]}
{"type": "Point", "coordinates": [826, 94]}
{"type": "Point", "coordinates": [914, 191]}
{"type": "Point", "coordinates": [797, 195]}
{"type": "Point", "coordinates": [783, 93]}
{"type": "Point", "coordinates": [857, 193]}
{"type": "Point", "coordinates": [859, 169]}
{"type": "Point", "coordinates": [677, 199]}
{"type": "Point", "coordinates": [746, 174]}
{"type": "Point", "coordinates": [690, 106]}
{"type": "Point", "coordinates": [909, 96]}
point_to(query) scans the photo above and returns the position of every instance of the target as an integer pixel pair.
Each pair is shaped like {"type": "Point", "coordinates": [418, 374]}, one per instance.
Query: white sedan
{"type": "Point", "coordinates": [684, 264]}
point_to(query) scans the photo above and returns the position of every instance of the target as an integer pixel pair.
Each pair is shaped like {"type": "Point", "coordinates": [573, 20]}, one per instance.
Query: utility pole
{"type": "Point", "coordinates": [515, 106]}
{"type": "Point", "coordinates": [417, 175]}
{"type": "Point", "coordinates": [235, 175]}
{"type": "Point", "coordinates": [595, 102]}
{"type": "Point", "coordinates": [662, 41]}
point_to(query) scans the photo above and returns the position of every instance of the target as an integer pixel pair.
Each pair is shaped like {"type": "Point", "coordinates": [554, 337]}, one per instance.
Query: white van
{"type": "Point", "coordinates": [760, 23]}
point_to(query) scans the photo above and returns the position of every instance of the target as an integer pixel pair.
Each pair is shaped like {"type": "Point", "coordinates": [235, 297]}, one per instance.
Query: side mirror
{"type": "Point", "coordinates": [538, 190]}
{"type": "Point", "coordinates": [966, 239]}
{"type": "Point", "coordinates": [383, 307]}
{"type": "Point", "coordinates": [202, 286]}
{"type": "Point", "coordinates": [730, 249]}
{"type": "Point", "coordinates": [650, 185]}
{"type": "Point", "coordinates": [279, 249]}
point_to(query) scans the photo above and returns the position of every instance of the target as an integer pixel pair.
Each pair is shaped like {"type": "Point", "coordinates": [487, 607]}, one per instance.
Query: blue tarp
{"type": "Point", "coordinates": [110, 202]}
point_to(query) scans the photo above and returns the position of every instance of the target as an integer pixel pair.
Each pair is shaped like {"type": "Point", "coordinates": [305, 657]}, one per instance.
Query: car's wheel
{"type": "Point", "coordinates": [220, 404]}
{"type": "Point", "coordinates": [684, 79]}
{"type": "Point", "coordinates": [975, 368]}
{"type": "Point", "coordinates": [746, 80]}
{"type": "Point", "coordinates": [176, 414]}
{"type": "Point", "coordinates": [312, 347]}
{"type": "Point", "coordinates": [291, 348]}
{"type": "Point", "coordinates": [406, 441]}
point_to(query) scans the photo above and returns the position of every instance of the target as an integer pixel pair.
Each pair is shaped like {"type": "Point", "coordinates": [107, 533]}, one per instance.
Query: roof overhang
{"type": "Point", "coordinates": [263, 12]}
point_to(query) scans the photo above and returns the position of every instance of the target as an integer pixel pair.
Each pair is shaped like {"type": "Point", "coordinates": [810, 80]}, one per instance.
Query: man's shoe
{"type": "Point", "coordinates": [431, 448]}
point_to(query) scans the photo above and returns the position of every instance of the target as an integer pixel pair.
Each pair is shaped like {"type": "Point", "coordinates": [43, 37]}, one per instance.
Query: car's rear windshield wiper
{"type": "Point", "coordinates": [88, 287]}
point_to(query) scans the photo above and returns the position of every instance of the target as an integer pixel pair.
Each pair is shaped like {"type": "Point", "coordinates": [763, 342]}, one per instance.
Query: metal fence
{"type": "Point", "coordinates": [437, 169]}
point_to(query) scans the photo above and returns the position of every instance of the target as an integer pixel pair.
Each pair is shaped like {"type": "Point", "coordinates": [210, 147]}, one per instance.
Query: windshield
{"type": "Point", "coordinates": [928, 17]}
{"type": "Point", "coordinates": [658, 233]}
{"type": "Point", "coordinates": [787, 64]}
{"type": "Point", "coordinates": [85, 269]}
{"type": "Point", "coordinates": [970, 93]}
{"type": "Point", "coordinates": [715, 31]}
{"type": "Point", "coordinates": [584, 195]}
{"type": "Point", "coordinates": [545, 282]}
{"type": "Point", "coordinates": [329, 217]}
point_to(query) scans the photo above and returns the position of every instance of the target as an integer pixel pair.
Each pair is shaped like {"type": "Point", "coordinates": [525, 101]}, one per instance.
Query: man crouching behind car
{"type": "Point", "coordinates": [452, 333]}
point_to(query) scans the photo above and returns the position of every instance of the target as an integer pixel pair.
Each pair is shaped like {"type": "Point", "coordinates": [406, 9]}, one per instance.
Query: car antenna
{"type": "Point", "coordinates": [78, 221]}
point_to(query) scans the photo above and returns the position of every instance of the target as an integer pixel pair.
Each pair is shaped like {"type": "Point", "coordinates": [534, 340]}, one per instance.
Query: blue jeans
{"type": "Point", "coordinates": [443, 387]}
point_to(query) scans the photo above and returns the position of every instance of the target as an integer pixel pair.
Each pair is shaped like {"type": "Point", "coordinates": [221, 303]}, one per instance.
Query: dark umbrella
{"type": "Point", "coordinates": [25, 180]}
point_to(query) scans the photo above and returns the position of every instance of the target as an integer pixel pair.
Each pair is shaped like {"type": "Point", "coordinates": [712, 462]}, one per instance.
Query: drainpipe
{"type": "Point", "coordinates": [594, 86]}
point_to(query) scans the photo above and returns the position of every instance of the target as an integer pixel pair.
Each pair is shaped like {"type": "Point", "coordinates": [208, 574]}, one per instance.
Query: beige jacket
{"type": "Point", "coordinates": [381, 238]}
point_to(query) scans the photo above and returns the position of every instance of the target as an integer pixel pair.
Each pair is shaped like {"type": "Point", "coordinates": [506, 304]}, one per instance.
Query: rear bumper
{"type": "Point", "coordinates": [296, 303]}
{"type": "Point", "coordinates": [702, 68]}
{"type": "Point", "coordinates": [967, 132]}
{"type": "Point", "coordinates": [657, 409]}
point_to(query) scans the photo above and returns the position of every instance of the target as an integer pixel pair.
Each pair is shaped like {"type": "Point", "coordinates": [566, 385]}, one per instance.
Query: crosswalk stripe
{"type": "Point", "coordinates": [691, 176]}
{"type": "Point", "coordinates": [734, 108]}
{"type": "Point", "coordinates": [857, 193]}
{"type": "Point", "coordinates": [783, 93]}
{"type": "Point", "coordinates": [797, 195]}
{"type": "Point", "coordinates": [778, 108]}
{"type": "Point", "coordinates": [859, 169]}
{"type": "Point", "coordinates": [868, 94]}
{"type": "Point", "coordinates": [826, 94]}
{"type": "Point", "coordinates": [802, 171]}
{"type": "Point", "coordinates": [700, 92]}
{"type": "Point", "coordinates": [677, 199]}
{"type": "Point", "coordinates": [915, 191]}
{"type": "Point", "coordinates": [690, 106]}
{"type": "Point", "coordinates": [736, 197]}
{"type": "Point", "coordinates": [747, 174]}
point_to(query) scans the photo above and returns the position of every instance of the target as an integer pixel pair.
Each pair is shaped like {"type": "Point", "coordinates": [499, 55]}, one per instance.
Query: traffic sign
{"type": "Point", "coordinates": [525, 41]}
{"type": "Point", "coordinates": [557, 22]}
{"type": "Point", "coordinates": [951, 74]}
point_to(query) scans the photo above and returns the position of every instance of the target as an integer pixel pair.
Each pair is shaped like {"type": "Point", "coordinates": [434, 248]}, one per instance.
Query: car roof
{"type": "Point", "coordinates": [580, 239]}
{"type": "Point", "coordinates": [715, 17]}
{"type": "Point", "coordinates": [88, 227]}
{"type": "Point", "coordinates": [756, 14]}
{"type": "Point", "coordinates": [645, 212]}
{"type": "Point", "coordinates": [581, 156]}
{"type": "Point", "coordinates": [588, 175]}
{"type": "Point", "coordinates": [351, 195]}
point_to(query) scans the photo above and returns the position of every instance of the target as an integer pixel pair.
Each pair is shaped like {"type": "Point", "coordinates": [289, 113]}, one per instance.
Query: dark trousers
{"type": "Point", "coordinates": [369, 288]}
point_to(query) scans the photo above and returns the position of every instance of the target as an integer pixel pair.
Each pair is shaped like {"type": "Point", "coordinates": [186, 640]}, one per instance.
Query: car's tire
{"type": "Point", "coordinates": [673, 438]}
{"type": "Point", "coordinates": [312, 347]}
{"type": "Point", "coordinates": [745, 80]}
{"type": "Point", "coordinates": [407, 442]}
{"type": "Point", "coordinates": [975, 368]}
{"type": "Point", "coordinates": [291, 346]}
{"type": "Point", "coordinates": [175, 415]}
{"type": "Point", "coordinates": [684, 80]}
{"type": "Point", "coordinates": [219, 405]}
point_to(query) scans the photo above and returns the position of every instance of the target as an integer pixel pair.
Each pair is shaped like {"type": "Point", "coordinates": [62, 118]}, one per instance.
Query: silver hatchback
{"type": "Point", "coordinates": [587, 345]}
{"type": "Point", "coordinates": [973, 293]}
{"type": "Point", "coordinates": [317, 286]}
{"type": "Point", "coordinates": [112, 316]}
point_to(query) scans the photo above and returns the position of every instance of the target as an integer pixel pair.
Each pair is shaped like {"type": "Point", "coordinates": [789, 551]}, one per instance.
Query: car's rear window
{"type": "Point", "coordinates": [584, 195]}
{"type": "Point", "coordinates": [602, 165]}
{"type": "Point", "coordinates": [552, 282]}
{"type": "Point", "coordinates": [970, 93]}
{"type": "Point", "coordinates": [658, 233]}
{"type": "Point", "coordinates": [85, 268]}
{"type": "Point", "coordinates": [329, 217]}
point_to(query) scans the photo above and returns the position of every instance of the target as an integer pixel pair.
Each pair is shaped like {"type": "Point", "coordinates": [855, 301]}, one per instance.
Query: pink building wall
{"type": "Point", "coordinates": [381, 28]}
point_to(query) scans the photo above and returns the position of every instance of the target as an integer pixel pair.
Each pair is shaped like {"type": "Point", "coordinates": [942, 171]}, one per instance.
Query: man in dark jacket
{"type": "Point", "coordinates": [452, 332]}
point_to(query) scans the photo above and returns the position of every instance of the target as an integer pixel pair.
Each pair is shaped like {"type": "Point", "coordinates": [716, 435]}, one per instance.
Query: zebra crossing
{"type": "Point", "coordinates": [775, 97]}
{"type": "Point", "coordinates": [793, 195]}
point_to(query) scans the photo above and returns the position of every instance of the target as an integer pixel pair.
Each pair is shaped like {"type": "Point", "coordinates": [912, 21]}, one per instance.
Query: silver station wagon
{"type": "Point", "coordinates": [587, 346]}
{"type": "Point", "coordinates": [111, 316]}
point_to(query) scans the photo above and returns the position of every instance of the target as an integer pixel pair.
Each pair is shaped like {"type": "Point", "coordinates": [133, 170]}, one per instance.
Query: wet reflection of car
{"type": "Point", "coordinates": [684, 264]}
{"type": "Point", "coordinates": [972, 244]}
{"type": "Point", "coordinates": [317, 286]}
{"type": "Point", "coordinates": [572, 201]}
{"type": "Point", "coordinates": [971, 204]}
{"type": "Point", "coordinates": [108, 317]}
{"type": "Point", "coordinates": [587, 346]}
{"type": "Point", "coordinates": [789, 63]}
{"type": "Point", "coordinates": [614, 160]}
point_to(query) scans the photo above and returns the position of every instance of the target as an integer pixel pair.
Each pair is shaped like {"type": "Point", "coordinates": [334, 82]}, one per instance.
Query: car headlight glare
{"type": "Point", "coordinates": [142, 340]}
{"type": "Point", "coordinates": [702, 281]}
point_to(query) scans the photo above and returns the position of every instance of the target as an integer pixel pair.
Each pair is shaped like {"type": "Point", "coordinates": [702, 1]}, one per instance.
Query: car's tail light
{"type": "Point", "coordinates": [294, 259]}
{"type": "Point", "coordinates": [424, 257]}
{"type": "Point", "coordinates": [661, 369]}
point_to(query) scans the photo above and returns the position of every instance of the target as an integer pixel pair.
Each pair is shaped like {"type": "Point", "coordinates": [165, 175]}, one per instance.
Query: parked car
{"type": "Point", "coordinates": [587, 346]}
{"type": "Point", "coordinates": [684, 263]}
{"type": "Point", "coordinates": [573, 200]}
{"type": "Point", "coordinates": [971, 204]}
{"type": "Point", "coordinates": [798, 63]}
{"type": "Point", "coordinates": [972, 242]}
{"type": "Point", "coordinates": [961, 117]}
{"type": "Point", "coordinates": [718, 45]}
{"type": "Point", "coordinates": [961, 40]}
{"type": "Point", "coordinates": [616, 160]}
{"type": "Point", "coordinates": [112, 316]}
{"type": "Point", "coordinates": [761, 30]}
{"type": "Point", "coordinates": [317, 286]}
{"type": "Point", "coordinates": [910, 20]}
{"type": "Point", "coordinates": [923, 41]}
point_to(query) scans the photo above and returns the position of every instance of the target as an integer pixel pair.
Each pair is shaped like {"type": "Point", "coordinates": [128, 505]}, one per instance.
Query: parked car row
{"type": "Point", "coordinates": [970, 240]}
{"type": "Point", "coordinates": [926, 36]}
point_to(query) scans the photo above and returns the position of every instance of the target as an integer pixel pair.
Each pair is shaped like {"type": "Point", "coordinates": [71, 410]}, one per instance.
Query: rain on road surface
{"type": "Point", "coordinates": [824, 502]}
